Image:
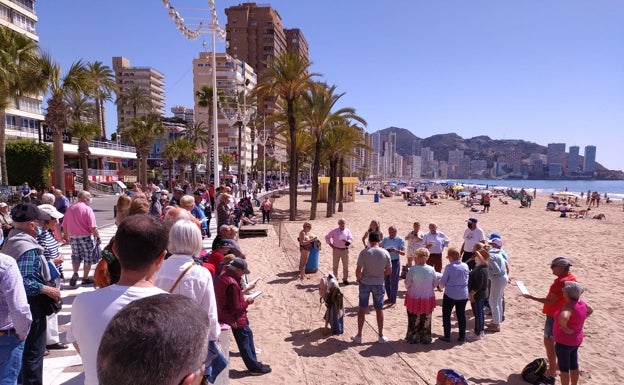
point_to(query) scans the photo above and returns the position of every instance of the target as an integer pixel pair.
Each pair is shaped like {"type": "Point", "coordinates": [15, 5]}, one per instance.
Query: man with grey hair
{"type": "Point", "coordinates": [435, 241]}
{"type": "Point", "coordinates": [47, 199]}
{"type": "Point", "coordinates": [81, 232]}
{"type": "Point", "coordinates": [132, 353]}
{"type": "Point", "coordinates": [60, 202]}
{"type": "Point", "coordinates": [339, 240]}
{"type": "Point", "coordinates": [395, 245]}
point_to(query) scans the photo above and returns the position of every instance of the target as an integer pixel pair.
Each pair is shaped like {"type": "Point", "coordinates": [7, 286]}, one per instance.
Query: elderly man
{"type": "Point", "coordinates": [131, 352]}
{"type": "Point", "coordinates": [15, 319]}
{"type": "Point", "coordinates": [339, 240]}
{"type": "Point", "coordinates": [395, 245]}
{"type": "Point", "coordinates": [435, 241]}
{"type": "Point", "coordinates": [178, 193]}
{"type": "Point", "coordinates": [5, 220]}
{"type": "Point", "coordinates": [22, 245]}
{"type": "Point", "coordinates": [78, 228]}
{"type": "Point", "coordinates": [60, 201]}
{"type": "Point", "coordinates": [140, 245]}
{"type": "Point", "coordinates": [472, 235]}
{"type": "Point", "coordinates": [232, 310]}
{"type": "Point", "coordinates": [553, 302]}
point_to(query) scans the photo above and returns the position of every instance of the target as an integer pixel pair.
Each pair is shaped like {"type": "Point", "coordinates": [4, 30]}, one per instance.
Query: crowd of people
{"type": "Point", "coordinates": [157, 248]}
{"type": "Point", "coordinates": [477, 273]}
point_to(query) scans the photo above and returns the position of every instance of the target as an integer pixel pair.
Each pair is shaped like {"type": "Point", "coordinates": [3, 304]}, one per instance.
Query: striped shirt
{"type": "Point", "coordinates": [49, 243]}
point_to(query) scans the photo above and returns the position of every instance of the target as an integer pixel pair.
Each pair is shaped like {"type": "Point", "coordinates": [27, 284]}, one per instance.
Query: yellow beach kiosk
{"type": "Point", "coordinates": [348, 188]}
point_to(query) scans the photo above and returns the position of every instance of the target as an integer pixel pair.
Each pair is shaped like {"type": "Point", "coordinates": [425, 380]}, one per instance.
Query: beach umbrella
{"type": "Point", "coordinates": [565, 194]}
{"type": "Point", "coordinates": [458, 187]}
{"type": "Point", "coordinates": [485, 192]}
{"type": "Point", "coordinates": [405, 190]}
{"type": "Point", "coordinates": [463, 194]}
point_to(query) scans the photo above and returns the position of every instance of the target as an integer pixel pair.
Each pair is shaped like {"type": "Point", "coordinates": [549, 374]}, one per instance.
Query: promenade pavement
{"type": "Point", "coordinates": [65, 366]}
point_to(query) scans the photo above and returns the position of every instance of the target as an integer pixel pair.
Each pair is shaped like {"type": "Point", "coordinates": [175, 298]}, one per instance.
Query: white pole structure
{"type": "Point", "coordinates": [215, 30]}
{"type": "Point", "coordinates": [263, 138]}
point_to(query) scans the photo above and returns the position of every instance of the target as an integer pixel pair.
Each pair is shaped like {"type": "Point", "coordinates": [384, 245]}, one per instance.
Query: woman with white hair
{"type": "Point", "coordinates": [180, 274]}
{"type": "Point", "coordinates": [568, 331]}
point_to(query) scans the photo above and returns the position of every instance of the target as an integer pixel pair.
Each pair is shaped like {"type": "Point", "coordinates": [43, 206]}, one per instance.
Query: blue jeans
{"type": "Point", "coordinates": [392, 281]}
{"type": "Point", "coordinates": [215, 361]}
{"type": "Point", "coordinates": [245, 343]}
{"type": "Point", "coordinates": [477, 310]}
{"type": "Point", "coordinates": [460, 312]}
{"type": "Point", "coordinates": [11, 350]}
{"type": "Point", "coordinates": [34, 348]}
{"type": "Point", "coordinates": [364, 294]}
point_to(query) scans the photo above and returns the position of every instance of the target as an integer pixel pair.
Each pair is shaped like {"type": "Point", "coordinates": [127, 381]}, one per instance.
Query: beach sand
{"type": "Point", "coordinates": [287, 319]}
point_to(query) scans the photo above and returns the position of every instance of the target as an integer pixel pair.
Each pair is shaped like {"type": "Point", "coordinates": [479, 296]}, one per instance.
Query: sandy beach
{"type": "Point", "coordinates": [287, 319]}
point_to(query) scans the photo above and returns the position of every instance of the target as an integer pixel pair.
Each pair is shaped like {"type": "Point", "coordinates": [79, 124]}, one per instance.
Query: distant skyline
{"type": "Point", "coordinates": [545, 72]}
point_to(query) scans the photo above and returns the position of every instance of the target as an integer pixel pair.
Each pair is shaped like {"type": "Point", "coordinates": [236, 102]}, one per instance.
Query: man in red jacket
{"type": "Point", "coordinates": [232, 310]}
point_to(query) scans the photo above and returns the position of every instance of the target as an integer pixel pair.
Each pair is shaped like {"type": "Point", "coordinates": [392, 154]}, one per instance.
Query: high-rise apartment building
{"type": "Point", "coordinates": [23, 115]}
{"type": "Point", "coordinates": [589, 162]}
{"type": "Point", "coordinates": [234, 77]}
{"type": "Point", "coordinates": [555, 157]}
{"type": "Point", "coordinates": [573, 161]}
{"type": "Point", "coordinates": [146, 78]}
{"type": "Point", "coordinates": [296, 42]}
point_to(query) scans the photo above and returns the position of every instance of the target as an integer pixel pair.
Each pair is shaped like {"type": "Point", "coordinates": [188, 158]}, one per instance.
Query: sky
{"type": "Point", "coordinates": [542, 71]}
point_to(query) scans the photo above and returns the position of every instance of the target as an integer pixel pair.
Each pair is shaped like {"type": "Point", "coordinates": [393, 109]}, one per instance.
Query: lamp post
{"type": "Point", "coordinates": [238, 116]}
{"type": "Point", "coordinates": [215, 30]}
{"type": "Point", "coordinates": [262, 138]}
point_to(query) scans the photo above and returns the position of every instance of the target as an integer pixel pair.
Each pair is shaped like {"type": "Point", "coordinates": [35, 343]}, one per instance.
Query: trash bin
{"type": "Point", "coordinates": [361, 191]}
{"type": "Point", "coordinates": [313, 261]}
{"type": "Point", "coordinates": [376, 198]}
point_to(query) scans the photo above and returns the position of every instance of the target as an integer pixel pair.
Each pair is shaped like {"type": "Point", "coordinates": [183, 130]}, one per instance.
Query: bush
{"type": "Point", "coordinates": [29, 161]}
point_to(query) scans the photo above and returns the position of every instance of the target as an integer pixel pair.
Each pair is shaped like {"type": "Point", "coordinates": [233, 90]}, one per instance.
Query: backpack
{"type": "Point", "coordinates": [533, 373]}
{"type": "Point", "coordinates": [450, 377]}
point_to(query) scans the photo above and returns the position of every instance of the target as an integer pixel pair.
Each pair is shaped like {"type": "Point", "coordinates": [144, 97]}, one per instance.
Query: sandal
{"type": "Point", "coordinates": [87, 281]}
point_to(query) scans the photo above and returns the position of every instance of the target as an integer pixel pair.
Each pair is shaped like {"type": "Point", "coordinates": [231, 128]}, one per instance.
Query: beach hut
{"type": "Point", "coordinates": [349, 188]}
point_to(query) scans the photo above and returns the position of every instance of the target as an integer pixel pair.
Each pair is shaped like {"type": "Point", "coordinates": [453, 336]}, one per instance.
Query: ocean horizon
{"type": "Point", "coordinates": [613, 188]}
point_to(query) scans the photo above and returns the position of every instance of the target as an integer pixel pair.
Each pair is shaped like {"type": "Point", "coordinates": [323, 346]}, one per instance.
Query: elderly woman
{"type": "Point", "coordinates": [420, 281]}
{"type": "Point", "coordinates": [414, 242]}
{"type": "Point", "coordinates": [306, 243]}
{"type": "Point", "coordinates": [224, 213]}
{"type": "Point", "coordinates": [568, 331]}
{"type": "Point", "coordinates": [478, 288]}
{"type": "Point", "coordinates": [455, 283]}
{"type": "Point", "coordinates": [374, 226]}
{"type": "Point", "coordinates": [179, 274]}
{"type": "Point", "coordinates": [497, 272]}
{"type": "Point", "coordinates": [121, 208]}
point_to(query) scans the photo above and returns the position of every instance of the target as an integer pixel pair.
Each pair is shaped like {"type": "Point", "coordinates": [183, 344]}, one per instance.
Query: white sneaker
{"type": "Point", "coordinates": [382, 340]}
{"type": "Point", "coordinates": [357, 339]}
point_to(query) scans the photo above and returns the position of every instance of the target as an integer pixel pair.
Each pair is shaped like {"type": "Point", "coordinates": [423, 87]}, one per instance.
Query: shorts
{"type": "Point", "coordinates": [378, 292]}
{"type": "Point", "coordinates": [548, 327]}
{"type": "Point", "coordinates": [82, 249]}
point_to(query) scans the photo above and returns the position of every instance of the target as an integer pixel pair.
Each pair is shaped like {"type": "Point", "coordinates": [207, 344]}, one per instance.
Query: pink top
{"type": "Point", "coordinates": [576, 321]}
{"type": "Point", "coordinates": [79, 220]}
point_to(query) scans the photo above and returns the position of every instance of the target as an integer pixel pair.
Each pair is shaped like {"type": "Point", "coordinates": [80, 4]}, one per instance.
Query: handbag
{"type": "Point", "coordinates": [47, 305]}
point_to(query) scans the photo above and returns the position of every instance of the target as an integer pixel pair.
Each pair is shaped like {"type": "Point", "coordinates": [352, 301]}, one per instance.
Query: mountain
{"type": "Point", "coordinates": [478, 147]}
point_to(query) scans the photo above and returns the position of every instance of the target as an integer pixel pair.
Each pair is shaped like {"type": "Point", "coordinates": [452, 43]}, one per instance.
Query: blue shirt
{"type": "Point", "coordinates": [455, 280]}
{"type": "Point", "coordinates": [397, 243]}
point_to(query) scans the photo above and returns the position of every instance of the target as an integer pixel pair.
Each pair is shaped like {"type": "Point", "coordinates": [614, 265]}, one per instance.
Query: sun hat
{"type": "Point", "coordinates": [471, 220]}
{"type": "Point", "coordinates": [51, 211]}
{"type": "Point", "coordinates": [496, 242]}
{"type": "Point", "coordinates": [240, 263]}
{"type": "Point", "coordinates": [3, 204]}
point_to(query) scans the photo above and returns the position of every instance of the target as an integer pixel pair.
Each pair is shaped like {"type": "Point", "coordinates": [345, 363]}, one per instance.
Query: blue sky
{"type": "Point", "coordinates": [542, 71]}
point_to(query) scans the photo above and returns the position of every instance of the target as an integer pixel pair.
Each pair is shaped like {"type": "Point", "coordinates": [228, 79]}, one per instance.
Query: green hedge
{"type": "Point", "coordinates": [29, 161]}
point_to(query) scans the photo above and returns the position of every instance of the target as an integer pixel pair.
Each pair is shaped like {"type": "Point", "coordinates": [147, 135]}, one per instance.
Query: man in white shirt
{"type": "Point", "coordinates": [140, 245]}
{"type": "Point", "coordinates": [472, 236]}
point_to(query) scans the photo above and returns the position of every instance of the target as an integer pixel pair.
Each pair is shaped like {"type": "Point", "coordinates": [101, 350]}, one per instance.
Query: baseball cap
{"type": "Point", "coordinates": [497, 242]}
{"type": "Point", "coordinates": [560, 261]}
{"type": "Point", "coordinates": [494, 235]}
{"type": "Point", "coordinates": [471, 220]}
{"type": "Point", "coordinates": [198, 192]}
{"type": "Point", "coordinates": [224, 243]}
{"type": "Point", "coordinates": [3, 204]}
{"type": "Point", "coordinates": [50, 210]}
{"type": "Point", "coordinates": [240, 263]}
{"type": "Point", "coordinates": [156, 190]}
{"type": "Point", "coordinates": [26, 212]}
{"type": "Point", "coordinates": [178, 189]}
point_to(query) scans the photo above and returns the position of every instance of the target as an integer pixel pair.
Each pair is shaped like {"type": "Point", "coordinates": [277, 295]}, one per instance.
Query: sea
{"type": "Point", "coordinates": [613, 188]}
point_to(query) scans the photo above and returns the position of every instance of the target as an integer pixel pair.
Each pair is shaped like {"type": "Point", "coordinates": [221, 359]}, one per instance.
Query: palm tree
{"type": "Point", "coordinates": [85, 132]}
{"type": "Point", "coordinates": [340, 141]}
{"type": "Point", "coordinates": [226, 160]}
{"type": "Point", "coordinates": [319, 117]}
{"type": "Point", "coordinates": [18, 76]}
{"type": "Point", "coordinates": [169, 155]}
{"type": "Point", "coordinates": [142, 133]}
{"type": "Point", "coordinates": [199, 136]}
{"type": "Point", "coordinates": [184, 152]}
{"type": "Point", "coordinates": [135, 97]}
{"type": "Point", "coordinates": [103, 86]}
{"type": "Point", "coordinates": [287, 78]}
{"type": "Point", "coordinates": [58, 112]}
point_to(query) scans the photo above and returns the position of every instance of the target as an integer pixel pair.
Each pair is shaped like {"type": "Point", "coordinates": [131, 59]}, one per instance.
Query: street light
{"type": "Point", "coordinates": [262, 138]}
{"type": "Point", "coordinates": [215, 30]}
{"type": "Point", "coordinates": [239, 116]}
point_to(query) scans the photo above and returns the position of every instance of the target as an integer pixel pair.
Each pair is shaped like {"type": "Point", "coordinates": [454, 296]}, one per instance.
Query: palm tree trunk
{"type": "Point", "coordinates": [143, 180]}
{"type": "Point", "coordinates": [292, 177]}
{"type": "Point", "coordinates": [59, 160]}
{"type": "Point", "coordinates": [316, 168]}
{"type": "Point", "coordinates": [3, 165]}
{"type": "Point", "coordinates": [85, 171]}
{"type": "Point", "coordinates": [331, 188]}
{"type": "Point", "coordinates": [194, 172]}
{"type": "Point", "coordinates": [340, 184]}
